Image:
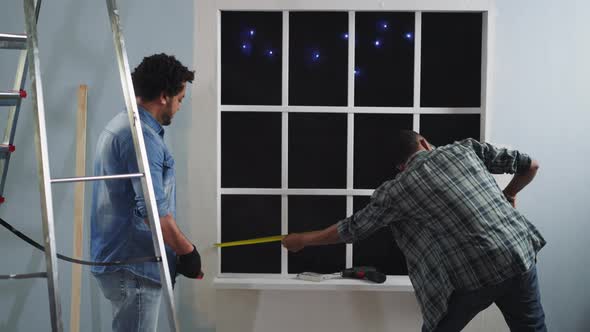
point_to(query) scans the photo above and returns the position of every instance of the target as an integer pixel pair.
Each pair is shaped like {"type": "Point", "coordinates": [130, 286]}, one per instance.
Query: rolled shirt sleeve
{"type": "Point", "coordinates": [380, 212]}
{"type": "Point", "coordinates": [155, 154]}
{"type": "Point", "coordinates": [499, 160]}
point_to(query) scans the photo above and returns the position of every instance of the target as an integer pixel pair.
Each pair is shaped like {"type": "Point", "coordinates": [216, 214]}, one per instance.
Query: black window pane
{"type": "Point", "coordinates": [384, 69]}
{"type": "Point", "coordinates": [379, 250]}
{"type": "Point", "coordinates": [307, 213]}
{"type": "Point", "coordinates": [250, 150]}
{"type": "Point", "coordinates": [373, 144]}
{"type": "Point", "coordinates": [245, 217]}
{"type": "Point", "coordinates": [442, 129]}
{"type": "Point", "coordinates": [251, 61]}
{"type": "Point", "coordinates": [317, 150]}
{"type": "Point", "coordinates": [451, 60]}
{"type": "Point", "coordinates": [318, 58]}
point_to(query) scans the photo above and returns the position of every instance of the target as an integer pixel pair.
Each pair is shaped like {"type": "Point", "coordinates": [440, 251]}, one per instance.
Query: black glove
{"type": "Point", "coordinates": [189, 265]}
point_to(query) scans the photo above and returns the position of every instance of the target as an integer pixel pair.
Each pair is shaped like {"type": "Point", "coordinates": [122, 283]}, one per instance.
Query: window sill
{"type": "Point", "coordinates": [392, 284]}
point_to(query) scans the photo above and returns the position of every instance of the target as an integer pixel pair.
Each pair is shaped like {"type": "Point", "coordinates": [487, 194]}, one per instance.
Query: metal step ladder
{"type": "Point", "coordinates": [13, 100]}
{"type": "Point", "coordinates": [30, 58]}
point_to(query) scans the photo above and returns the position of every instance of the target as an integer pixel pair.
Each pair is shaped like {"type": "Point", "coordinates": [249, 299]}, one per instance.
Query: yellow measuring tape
{"type": "Point", "coordinates": [250, 241]}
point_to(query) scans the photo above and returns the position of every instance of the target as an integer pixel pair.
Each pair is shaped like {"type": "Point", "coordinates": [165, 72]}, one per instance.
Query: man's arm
{"type": "Point", "coordinates": [499, 160]}
{"type": "Point", "coordinates": [189, 259]}
{"type": "Point", "coordinates": [380, 212]}
{"type": "Point", "coordinates": [173, 237]}
{"type": "Point", "coordinates": [297, 241]}
{"type": "Point", "coordinates": [519, 181]}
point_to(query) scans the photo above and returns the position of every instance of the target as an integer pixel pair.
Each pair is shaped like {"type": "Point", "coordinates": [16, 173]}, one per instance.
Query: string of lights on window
{"type": "Point", "coordinates": [248, 37]}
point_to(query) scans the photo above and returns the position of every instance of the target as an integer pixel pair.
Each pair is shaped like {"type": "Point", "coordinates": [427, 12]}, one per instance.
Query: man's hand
{"type": "Point", "coordinates": [297, 241]}
{"type": "Point", "coordinates": [519, 181]}
{"type": "Point", "coordinates": [189, 265]}
{"type": "Point", "coordinates": [294, 242]}
{"type": "Point", "coordinates": [511, 199]}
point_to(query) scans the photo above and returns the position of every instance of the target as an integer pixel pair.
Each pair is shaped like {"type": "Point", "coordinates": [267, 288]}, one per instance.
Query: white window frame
{"type": "Point", "coordinates": [209, 26]}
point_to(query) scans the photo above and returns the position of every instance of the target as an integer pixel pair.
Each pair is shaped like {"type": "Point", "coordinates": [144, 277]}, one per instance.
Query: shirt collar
{"type": "Point", "coordinates": [148, 119]}
{"type": "Point", "coordinates": [412, 157]}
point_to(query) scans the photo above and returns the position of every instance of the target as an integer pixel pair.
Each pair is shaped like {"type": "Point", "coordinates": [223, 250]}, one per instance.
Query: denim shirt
{"type": "Point", "coordinates": [118, 230]}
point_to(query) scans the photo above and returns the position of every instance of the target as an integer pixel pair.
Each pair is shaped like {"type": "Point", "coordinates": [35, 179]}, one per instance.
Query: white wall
{"type": "Point", "coordinates": [76, 47]}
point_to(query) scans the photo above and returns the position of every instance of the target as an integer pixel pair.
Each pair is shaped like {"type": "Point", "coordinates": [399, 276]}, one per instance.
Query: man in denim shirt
{"type": "Point", "coordinates": [119, 226]}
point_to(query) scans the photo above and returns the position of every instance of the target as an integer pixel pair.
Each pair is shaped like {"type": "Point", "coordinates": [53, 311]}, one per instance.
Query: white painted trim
{"type": "Point", "coordinates": [285, 67]}
{"type": "Point", "coordinates": [350, 135]}
{"type": "Point", "coordinates": [218, 133]}
{"type": "Point", "coordinates": [284, 231]}
{"type": "Point", "coordinates": [416, 123]}
{"type": "Point", "coordinates": [417, 70]}
{"type": "Point", "coordinates": [488, 40]}
{"type": "Point", "coordinates": [392, 284]}
{"type": "Point", "coordinates": [293, 192]}
{"type": "Point", "coordinates": [351, 56]}
{"type": "Point", "coordinates": [417, 59]}
{"type": "Point", "coordinates": [346, 5]}
{"type": "Point", "coordinates": [352, 109]}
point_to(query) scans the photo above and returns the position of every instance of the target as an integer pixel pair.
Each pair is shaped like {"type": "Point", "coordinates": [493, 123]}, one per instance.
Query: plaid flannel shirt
{"type": "Point", "coordinates": [451, 220]}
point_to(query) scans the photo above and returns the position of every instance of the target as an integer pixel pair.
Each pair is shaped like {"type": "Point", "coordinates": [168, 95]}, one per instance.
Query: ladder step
{"type": "Point", "coordinates": [97, 178]}
{"type": "Point", "coordinates": [7, 148]}
{"type": "Point", "coordinates": [13, 41]}
{"type": "Point", "coordinates": [24, 276]}
{"type": "Point", "coordinates": [11, 98]}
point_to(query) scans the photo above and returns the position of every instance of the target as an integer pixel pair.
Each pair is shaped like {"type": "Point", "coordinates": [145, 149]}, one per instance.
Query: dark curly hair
{"type": "Point", "coordinates": [405, 144]}
{"type": "Point", "coordinates": [160, 73]}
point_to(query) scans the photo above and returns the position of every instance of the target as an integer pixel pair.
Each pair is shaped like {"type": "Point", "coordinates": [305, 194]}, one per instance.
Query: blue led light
{"type": "Point", "coordinates": [408, 36]}
{"type": "Point", "coordinates": [251, 32]}
{"type": "Point", "coordinates": [246, 48]}
{"type": "Point", "coordinates": [377, 43]}
{"type": "Point", "coordinates": [345, 35]}
{"type": "Point", "coordinates": [270, 53]}
{"type": "Point", "coordinates": [382, 26]}
{"type": "Point", "coordinates": [357, 72]}
{"type": "Point", "coordinates": [315, 56]}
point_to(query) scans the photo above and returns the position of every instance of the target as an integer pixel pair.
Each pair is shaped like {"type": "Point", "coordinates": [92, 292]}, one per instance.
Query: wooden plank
{"type": "Point", "coordinates": [79, 208]}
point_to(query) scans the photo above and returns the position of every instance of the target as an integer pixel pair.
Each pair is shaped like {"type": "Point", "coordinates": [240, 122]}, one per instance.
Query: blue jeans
{"type": "Point", "coordinates": [135, 300]}
{"type": "Point", "coordinates": [517, 298]}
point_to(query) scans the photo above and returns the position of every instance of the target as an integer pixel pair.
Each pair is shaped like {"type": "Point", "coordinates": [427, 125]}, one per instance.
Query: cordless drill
{"type": "Point", "coordinates": [364, 273]}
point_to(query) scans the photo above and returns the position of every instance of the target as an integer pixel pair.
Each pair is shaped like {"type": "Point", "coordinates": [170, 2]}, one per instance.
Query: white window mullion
{"type": "Point", "coordinates": [350, 141]}
{"type": "Point", "coordinates": [285, 143]}
{"type": "Point", "coordinates": [487, 43]}
{"type": "Point", "coordinates": [218, 134]}
{"type": "Point", "coordinates": [417, 68]}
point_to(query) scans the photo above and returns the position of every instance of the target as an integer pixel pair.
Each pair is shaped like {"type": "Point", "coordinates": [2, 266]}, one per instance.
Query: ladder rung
{"type": "Point", "coordinates": [7, 148]}
{"type": "Point", "coordinates": [11, 98]}
{"type": "Point", "coordinates": [13, 41]}
{"type": "Point", "coordinates": [97, 178]}
{"type": "Point", "coordinates": [24, 276]}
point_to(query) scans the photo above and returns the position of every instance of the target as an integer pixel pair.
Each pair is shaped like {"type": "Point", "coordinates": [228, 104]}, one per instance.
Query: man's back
{"type": "Point", "coordinates": [452, 222]}
{"type": "Point", "coordinates": [456, 212]}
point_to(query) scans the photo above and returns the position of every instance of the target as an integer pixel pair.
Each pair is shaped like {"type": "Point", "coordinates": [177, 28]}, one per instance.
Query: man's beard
{"type": "Point", "coordinates": [166, 119]}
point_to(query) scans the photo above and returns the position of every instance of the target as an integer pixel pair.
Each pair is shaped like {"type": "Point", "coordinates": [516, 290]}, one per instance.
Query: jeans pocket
{"type": "Point", "coordinates": [113, 285]}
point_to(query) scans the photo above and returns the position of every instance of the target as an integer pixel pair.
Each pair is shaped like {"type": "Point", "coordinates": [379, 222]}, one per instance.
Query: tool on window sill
{"type": "Point", "coordinates": [364, 273]}
{"type": "Point", "coordinates": [368, 273]}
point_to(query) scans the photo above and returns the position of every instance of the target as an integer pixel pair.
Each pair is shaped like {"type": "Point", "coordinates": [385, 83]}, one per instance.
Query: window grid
{"type": "Point", "coordinates": [350, 109]}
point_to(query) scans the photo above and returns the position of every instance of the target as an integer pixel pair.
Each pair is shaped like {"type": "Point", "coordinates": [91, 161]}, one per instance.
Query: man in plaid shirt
{"type": "Point", "coordinates": [465, 244]}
